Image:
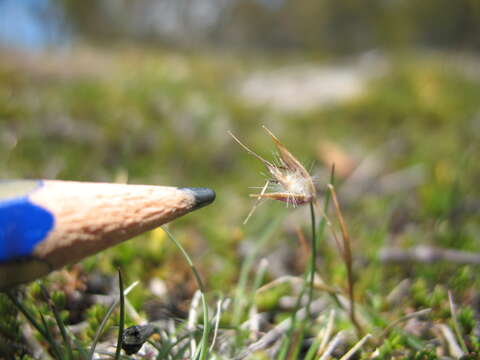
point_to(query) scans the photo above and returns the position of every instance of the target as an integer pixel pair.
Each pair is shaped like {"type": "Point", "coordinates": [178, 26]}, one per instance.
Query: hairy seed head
{"type": "Point", "coordinates": [291, 182]}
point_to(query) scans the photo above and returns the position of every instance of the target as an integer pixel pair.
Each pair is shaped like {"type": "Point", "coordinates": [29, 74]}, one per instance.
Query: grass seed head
{"type": "Point", "coordinates": [291, 182]}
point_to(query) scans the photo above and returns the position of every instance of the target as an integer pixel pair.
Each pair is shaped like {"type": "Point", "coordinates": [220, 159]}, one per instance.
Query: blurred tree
{"type": "Point", "coordinates": [327, 25]}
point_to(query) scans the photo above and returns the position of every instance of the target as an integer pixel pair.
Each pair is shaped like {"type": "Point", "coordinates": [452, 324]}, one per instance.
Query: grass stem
{"type": "Point", "coordinates": [27, 314]}
{"type": "Point", "coordinates": [206, 328]}
{"type": "Point", "coordinates": [313, 257]}
{"type": "Point", "coordinates": [91, 353]}
{"type": "Point", "coordinates": [346, 252]}
{"type": "Point", "coordinates": [121, 324]}
{"type": "Point", "coordinates": [58, 319]}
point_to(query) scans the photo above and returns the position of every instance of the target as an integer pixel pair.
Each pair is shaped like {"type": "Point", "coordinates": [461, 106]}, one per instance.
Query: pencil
{"type": "Point", "coordinates": [47, 224]}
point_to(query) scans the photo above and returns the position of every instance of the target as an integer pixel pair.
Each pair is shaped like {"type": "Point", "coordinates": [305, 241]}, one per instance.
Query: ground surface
{"type": "Point", "coordinates": [403, 132]}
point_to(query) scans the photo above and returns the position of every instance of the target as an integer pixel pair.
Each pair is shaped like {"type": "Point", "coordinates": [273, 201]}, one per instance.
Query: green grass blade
{"type": "Point", "coordinates": [59, 321]}
{"type": "Point", "coordinates": [257, 281]}
{"type": "Point", "coordinates": [241, 288]}
{"type": "Point", "coordinates": [202, 351]}
{"type": "Point", "coordinates": [293, 324]}
{"type": "Point", "coordinates": [42, 329]}
{"type": "Point", "coordinates": [313, 257]}
{"type": "Point", "coordinates": [312, 350]}
{"type": "Point", "coordinates": [218, 315]}
{"type": "Point", "coordinates": [105, 319]}
{"type": "Point", "coordinates": [122, 317]}
{"type": "Point", "coordinates": [326, 204]}
{"type": "Point", "coordinates": [300, 335]}
{"type": "Point", "coordinates": [80, 348]}
{"type": "Point", "coordinates": [27, 314]}
{"type": "Point", "coordinates": [53, 344]}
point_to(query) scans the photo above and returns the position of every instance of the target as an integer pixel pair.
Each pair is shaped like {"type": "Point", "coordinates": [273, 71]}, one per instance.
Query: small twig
{"type": "Point", "coordinates": [428, 254]}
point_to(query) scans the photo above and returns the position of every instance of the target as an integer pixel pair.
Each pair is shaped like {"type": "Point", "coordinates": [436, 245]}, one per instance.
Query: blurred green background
{"type": "Point", "coordinates": [145, 91]}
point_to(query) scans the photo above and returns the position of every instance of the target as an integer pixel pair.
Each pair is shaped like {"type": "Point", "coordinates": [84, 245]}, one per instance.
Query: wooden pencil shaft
{"type": "Point", "coordinates": [80, 219]}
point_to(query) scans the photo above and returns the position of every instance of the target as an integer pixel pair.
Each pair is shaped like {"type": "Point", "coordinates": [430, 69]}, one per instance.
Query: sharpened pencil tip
{"type": "Point", "coordinates": [203, 196]}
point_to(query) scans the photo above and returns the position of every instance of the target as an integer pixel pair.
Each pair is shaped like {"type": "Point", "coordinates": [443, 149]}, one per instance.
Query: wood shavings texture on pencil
{"type": "Point", "coordinates": [46, 224]}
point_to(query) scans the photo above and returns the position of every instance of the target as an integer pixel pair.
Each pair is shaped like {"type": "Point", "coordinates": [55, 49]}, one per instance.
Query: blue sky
{"type": "Point", "coordinates": [31, 24]}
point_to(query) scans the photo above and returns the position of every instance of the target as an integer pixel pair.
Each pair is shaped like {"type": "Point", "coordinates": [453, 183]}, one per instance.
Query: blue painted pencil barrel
{"type": "Point", "coordinates": [22, 224]}
{"type": "Point", "coordinates": [46, 224]}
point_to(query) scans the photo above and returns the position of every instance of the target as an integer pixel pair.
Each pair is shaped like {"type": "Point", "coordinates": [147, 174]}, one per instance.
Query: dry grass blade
{"type": "Point", "coordinates": [453, 346]}
{"type": "Point", "coordinates": [133, 314]}
{"type": "Point", "coordinates": [192, 320]}
{"type": "Point", "coordinates": [288, 160]}
{"type": "Point", "coordinates": [276, 333]}
{"type": "Point", "coordinates": [259, 198]}
{"type": "Point", "coordinates": [356, 347]}
{"type": "Point", "coordinates": [456, 325]}
{"type": "Point", "coordinates": [218, 315]}
{"type": "Point", "coordinates": [245, 147]}
{"type": "Point", "coordinates": [286, 279]}
{"type": "Point", "coordinates": [346, 251]}
{"type": "Point", "coordinates": [399, 293]}
{"type": "Point", "coordinates": [328, 332]}
{"type": "Point", "coordinates": [346, 244]}
{"type": "Point", "coordinates": [332, 345]}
